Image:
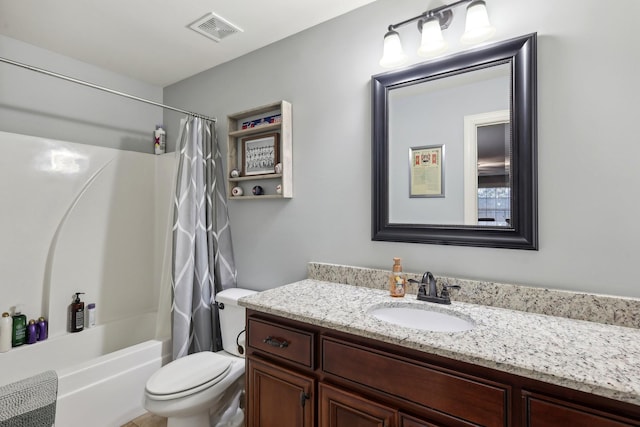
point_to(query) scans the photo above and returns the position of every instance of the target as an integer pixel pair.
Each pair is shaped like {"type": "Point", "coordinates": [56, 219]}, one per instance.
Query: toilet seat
{"type": "Point", "coordinates": [188, 375]}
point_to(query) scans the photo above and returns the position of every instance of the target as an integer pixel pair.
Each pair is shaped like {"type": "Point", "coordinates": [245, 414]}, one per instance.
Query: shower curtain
{"type": "Point", "coordinates": [202, 261]}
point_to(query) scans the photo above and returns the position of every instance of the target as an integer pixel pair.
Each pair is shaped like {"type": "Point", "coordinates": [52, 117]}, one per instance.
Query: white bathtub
{"type": "Point", "coordinates": [101, 371]}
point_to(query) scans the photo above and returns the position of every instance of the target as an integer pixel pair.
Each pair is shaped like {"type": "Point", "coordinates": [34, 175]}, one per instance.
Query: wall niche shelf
{"type": "Point", "coordinates": [267, 120]}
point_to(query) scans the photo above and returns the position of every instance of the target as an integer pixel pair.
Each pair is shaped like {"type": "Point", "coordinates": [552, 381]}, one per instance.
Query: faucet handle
{"type": "Point", "coordinates": [445, 290]}
{"type": "Point", "coordinates": [421, 289]}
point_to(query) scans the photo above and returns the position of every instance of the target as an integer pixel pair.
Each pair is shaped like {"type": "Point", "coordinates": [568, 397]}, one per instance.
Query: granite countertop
{"type": "Point", "coordinates": [586, 356]}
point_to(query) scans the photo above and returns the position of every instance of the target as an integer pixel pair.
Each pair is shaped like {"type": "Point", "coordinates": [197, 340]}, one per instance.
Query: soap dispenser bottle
{"type": "Point", "coordinates": [397, 280]}
{"type": "Point", "coordinates": [76, 314]}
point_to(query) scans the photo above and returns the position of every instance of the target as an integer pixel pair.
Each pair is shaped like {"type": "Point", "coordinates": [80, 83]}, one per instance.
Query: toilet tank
{"type": "Point", "coordinates": [232, 319]}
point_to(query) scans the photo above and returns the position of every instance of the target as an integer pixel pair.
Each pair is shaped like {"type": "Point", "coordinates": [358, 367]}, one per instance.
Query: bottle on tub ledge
{"type": "Point", "coordinates": [6, 328]}
{"type": "Point", "coordinates": [43, 329]}
{"type": "Point", "coordinates": [32, 332]}
{"type": "Point", "coordinates": [90, 319]}
{"type": "Point", "coordinates": [19, 328]}
{"type": "Point", "coordinates": [76, 314]}
{"type": "Point", "coordinates": [397, 280]}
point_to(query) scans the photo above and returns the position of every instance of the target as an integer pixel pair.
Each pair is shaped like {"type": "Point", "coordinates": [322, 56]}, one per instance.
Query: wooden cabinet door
{"type": "Point", "coordinates": [278, 397]}
{"type": "Point", "coordinates": [340, 408]}
{"type": "Point", "coordinates": [409, 421]}
{"type": "Point", "coordinates": [548, 412]}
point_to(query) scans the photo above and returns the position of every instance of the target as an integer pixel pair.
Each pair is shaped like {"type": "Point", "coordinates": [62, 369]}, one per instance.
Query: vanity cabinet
{"type": "Point", "coordinates": [325, 378]}
{"type": "Point", "coordinates": [409, 421]}
{"type": "Point", "coordinates": [543, 411]}
{"type": "Point", "coordinates": [278, 397]}
{"type": "Point", "coordinates": [340, 408]}
{"type": "Point", "coordinates": [267, 121]}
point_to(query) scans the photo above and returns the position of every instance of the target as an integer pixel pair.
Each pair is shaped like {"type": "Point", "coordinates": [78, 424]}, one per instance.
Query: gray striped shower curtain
{"type": "Point", "coordinates": [203, 262]}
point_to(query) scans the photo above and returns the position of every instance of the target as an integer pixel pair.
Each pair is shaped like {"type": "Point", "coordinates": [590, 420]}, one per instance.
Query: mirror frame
{"type": "Point", "coordinates": [520, 52]}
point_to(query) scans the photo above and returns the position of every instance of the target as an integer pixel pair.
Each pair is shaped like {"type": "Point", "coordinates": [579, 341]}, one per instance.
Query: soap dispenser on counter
{"type": "Point", "coordinates": [397, 280]}
{"type": "Point", "coordinates": [76, 314]}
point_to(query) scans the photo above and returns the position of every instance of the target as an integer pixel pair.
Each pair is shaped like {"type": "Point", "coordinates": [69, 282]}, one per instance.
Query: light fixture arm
{"type": "Point", "coordinates": [444, 14]}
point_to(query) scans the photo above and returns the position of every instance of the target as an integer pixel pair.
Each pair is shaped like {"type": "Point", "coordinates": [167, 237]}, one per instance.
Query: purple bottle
{"type": "Point", "coordinates": [42, 329]}
{"type": "Point", "coordinates": [32, 332]}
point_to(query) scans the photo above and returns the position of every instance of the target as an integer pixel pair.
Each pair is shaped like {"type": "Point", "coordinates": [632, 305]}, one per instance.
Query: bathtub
{"type": "Point", "coordinates": [101, 371]}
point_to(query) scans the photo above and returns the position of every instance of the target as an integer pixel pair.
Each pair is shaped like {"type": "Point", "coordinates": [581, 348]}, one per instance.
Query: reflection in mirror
{"type": "Point", "coordinates": [479, 107]}
{"type": "Point", "coordinates": [494, 184]}
{"type": "Point", "coordinates": [434, 113]}
{"type": "Point", "coordinates": [487, 169]}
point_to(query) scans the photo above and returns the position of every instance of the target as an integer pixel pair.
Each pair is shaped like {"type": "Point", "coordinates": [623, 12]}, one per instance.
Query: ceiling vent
{"type": "Point", "coordinates": [214, 27]}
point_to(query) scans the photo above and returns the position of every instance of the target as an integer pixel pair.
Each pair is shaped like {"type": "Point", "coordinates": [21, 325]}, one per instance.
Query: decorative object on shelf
{"type": "Point", "coordinates": [276, 118]}
{"type": "Point", "coordinates": [430, 24]}
{"type": "Point", "coordinates": [260, 154]}
{"type": "Point", "coordinates": [237, 191]}
{"type": "Point", "coordinates": [279, 189]}
{"type": "Point", "coordinates": [257, 190]}
{"type": "Point", "coordinates": [278, 168]}
{"type": "Point", "coordinates": [235, 173]}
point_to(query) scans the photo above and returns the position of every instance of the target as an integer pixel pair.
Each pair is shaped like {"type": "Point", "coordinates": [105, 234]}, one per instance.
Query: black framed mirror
{"type": "Point", "coordinates": [421, 196]}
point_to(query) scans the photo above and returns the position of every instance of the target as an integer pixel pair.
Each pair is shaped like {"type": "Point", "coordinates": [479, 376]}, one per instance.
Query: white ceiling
{"type": "Point", "coordinates": [149, 39]}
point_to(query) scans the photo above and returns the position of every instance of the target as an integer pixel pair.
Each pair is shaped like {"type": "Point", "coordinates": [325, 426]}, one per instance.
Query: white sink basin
{"type": "Point", "coordinates": [426, 319]}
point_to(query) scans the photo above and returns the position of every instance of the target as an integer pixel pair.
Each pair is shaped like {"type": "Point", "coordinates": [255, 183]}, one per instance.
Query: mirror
{"type": "Point", "coordinates": [454, 149]}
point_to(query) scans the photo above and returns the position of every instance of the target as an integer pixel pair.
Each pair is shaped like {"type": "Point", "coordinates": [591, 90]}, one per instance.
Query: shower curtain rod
{"type": "Point", "coordinates": [115, 92]}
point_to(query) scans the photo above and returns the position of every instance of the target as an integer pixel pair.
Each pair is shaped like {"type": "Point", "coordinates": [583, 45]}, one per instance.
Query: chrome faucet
{"type": "Point", "coordinates": [429, 292]}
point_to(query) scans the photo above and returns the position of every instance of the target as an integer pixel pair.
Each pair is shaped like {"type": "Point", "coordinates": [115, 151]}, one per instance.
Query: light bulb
{"type": "Point", "coordinates": [477, 27]}
{"type": "Point", "coordinates": [392, 54]}
{"type": "Point", "coordinates": [433, 43]}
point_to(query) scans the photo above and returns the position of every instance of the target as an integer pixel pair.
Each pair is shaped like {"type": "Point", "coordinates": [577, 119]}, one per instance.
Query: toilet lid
{"type": "Point", "coordinates": [189, 372]}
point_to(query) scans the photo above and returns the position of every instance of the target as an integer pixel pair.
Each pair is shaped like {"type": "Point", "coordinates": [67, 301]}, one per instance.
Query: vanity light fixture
{"type": "Point", "coordinates": [430, 24]}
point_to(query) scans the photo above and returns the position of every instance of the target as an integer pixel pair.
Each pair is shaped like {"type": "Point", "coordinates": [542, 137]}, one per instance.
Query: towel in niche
{"type": "Point", "coordinates": [30, 402]}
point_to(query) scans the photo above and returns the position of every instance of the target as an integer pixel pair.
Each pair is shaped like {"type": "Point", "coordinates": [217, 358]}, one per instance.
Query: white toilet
{"type": "Point", "coordinates": [188, 389]}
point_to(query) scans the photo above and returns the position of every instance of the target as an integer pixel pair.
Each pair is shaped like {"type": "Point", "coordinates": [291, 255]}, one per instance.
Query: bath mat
{"type": "Point", "coordinates": [30, 402]}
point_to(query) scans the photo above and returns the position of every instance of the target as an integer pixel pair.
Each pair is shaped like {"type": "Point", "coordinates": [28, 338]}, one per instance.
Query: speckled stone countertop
{"type": "Point", "coordinates": [587, 356]}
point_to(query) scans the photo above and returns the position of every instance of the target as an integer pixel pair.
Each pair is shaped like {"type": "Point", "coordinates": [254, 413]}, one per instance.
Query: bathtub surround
{"type": "Point", "coordinates": [607, 309]}
{"type": "Point", "coordinates": [203, 262]}
{"type": "Point", "coordinates": [84, 218]}
{"type": "Point", "coordinates": [79, 218]}
{"type": "Point", "coordinates": [69, 351]}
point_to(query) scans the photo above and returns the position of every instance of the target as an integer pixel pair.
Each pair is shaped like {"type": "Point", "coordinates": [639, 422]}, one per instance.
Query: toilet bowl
{"type": "Point", "coordinates": [187, 390]}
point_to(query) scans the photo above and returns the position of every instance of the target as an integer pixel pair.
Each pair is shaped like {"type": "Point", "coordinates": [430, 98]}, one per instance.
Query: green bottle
{"type": "Point", "coordinates": [19, 331]}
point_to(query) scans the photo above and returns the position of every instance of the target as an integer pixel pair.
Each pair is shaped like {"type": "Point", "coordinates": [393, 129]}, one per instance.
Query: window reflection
{"type": "Point", "coordinates": [494, 206]}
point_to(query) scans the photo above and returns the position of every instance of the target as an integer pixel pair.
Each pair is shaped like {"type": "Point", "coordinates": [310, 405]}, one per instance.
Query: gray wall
{"type": "Point", "coordinates": [588, 148]}
{"type": "Point", "coordinates": [35, 104]}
